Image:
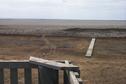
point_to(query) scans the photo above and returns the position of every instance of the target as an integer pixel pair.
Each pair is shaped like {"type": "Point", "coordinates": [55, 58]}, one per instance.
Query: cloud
{"type": "Point", "coordinates": [63, 9]}
{"type": "Point", "coordinates": [96, 3]}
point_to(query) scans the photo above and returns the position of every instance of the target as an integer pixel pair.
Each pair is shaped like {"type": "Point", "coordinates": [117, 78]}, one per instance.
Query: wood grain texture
{"type": "Point", "coordinates": [52, 64]}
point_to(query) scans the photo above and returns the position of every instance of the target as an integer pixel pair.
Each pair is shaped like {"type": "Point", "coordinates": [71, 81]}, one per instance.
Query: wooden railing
{"type": "Point", "coordinates": [72, 77]}
{"type": "Point", "coordinates": [48, 71]}
{"type": "Point", "coordinates": [14, 66]}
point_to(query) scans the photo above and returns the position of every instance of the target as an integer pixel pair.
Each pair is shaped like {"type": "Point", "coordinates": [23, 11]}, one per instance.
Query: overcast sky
{"type": "Point", "coordinates": [64, 9]}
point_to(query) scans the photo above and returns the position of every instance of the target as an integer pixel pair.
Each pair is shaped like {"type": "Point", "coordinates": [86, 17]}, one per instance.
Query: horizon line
{"type": "Point", "coordinates": [60, 19]}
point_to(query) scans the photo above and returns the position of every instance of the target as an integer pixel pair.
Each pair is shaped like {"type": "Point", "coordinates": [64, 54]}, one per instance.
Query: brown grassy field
{"type": "Point", "coordinates": [107, 65]}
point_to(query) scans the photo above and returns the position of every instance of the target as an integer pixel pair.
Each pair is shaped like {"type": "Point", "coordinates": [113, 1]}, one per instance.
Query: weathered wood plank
{"type": "Point", "coordinates": [62, 61]}
{"type": "Point", "coordinates": [77, 74]}
{"type": "Point", "coordinates": [90, 48]}
{"type": "Point", "coordinates": [80, 80]}
{"type": "Point", "coordinates": [48, 76]}
{"type": "Point", "coordinates": [21, 63]}
{"type": "Point", "coordinates": [1, 76]}
{"type": "Point", "coordinates": [28, 75]}
{"type": "Point", "coordinates": [52, 64]}
{"type": "Point", "coordinates": [72, 78]}
{"type": "Point", "coordinates": [13, 76]}
{"type": "Point", "coordinates": [16, 64]}
{"type": "Point", "coordinates": [9, 61]}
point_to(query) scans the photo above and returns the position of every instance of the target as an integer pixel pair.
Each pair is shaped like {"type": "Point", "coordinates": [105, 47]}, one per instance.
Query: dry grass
{"type": "Point", "coordinates": [107, 66]}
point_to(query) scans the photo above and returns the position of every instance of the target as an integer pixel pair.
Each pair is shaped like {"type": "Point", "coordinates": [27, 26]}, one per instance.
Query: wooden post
{"type": "Point", "coordinates": [28, 75]}
{"type": "Point", "coordinates": [48, 75]}
{"type": "Point", "coordinates": [14, 76]}
{"type": "Point", "coordinates": [66, 77]}
{"type": "Point", "coordinates": [1, 76]}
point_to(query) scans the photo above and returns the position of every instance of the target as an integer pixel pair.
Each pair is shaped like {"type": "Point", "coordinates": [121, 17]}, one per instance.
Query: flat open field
{"type": "Point", "coordinates": [78, 28]}
{"type": "Point", "coordinates": [107, 65]}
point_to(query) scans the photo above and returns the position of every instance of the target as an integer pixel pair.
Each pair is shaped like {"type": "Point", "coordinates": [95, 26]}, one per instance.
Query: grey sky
{"type": "Point", "coordinates": [64, 9]}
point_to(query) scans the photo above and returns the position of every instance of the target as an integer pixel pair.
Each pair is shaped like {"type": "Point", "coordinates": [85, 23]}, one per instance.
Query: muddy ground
{"type": "Point", "coordinates": [106, 66]}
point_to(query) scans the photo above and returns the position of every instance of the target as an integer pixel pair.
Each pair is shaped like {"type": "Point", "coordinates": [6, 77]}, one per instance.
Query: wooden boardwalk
{"type": "Point", "coordinates": [90, 48]}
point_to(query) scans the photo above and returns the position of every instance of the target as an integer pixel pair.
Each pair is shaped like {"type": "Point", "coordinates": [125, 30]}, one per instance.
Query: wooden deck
{"type": "Point", "coordinates": [48, 71]}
